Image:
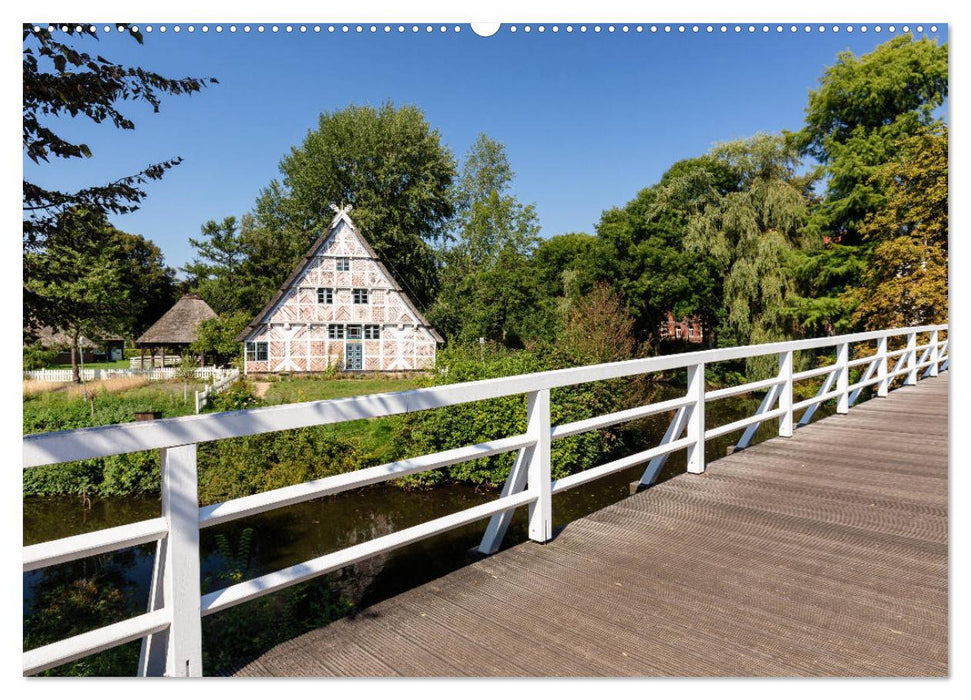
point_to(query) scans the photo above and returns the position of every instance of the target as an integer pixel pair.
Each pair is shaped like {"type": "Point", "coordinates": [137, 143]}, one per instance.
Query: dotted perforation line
{"type": "Point", "coordinates": [512, 29]}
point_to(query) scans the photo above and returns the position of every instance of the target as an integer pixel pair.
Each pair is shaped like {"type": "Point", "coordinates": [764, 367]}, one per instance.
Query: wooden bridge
{"type": "Point", "coordinates": [821, 552]}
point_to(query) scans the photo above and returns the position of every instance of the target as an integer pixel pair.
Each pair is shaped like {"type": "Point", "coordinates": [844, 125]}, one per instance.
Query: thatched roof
{"type": "Point", "coordinates": [50, 338]}
{"type": "Point", "coordinates": [180, 324]}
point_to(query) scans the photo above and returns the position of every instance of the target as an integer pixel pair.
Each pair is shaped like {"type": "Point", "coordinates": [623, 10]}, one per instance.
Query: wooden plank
{"type": "Point", "coordinates": [823, 554]}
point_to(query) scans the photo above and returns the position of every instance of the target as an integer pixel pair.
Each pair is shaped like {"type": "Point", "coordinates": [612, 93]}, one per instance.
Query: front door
{"type": "Point", "coordinates": [353, 355]}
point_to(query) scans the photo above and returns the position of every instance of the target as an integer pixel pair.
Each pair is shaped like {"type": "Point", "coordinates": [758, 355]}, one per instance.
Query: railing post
{"type": "Point", "coordinates": [785, 398]}
{"type": "Point", "coordinates": [935, 353]}
{"type": "Point", "coordinates": [843, 378]}
{"type": "Point", "coordinates": [539, 471]}
{"type": "Point", "coordinates": [696, 420]}
{"type": "Point", "coordinates": [911, 359]}
{"type": "Point", "coordinates": [883, 386]}
{"type": "Point", "coordinates": [181, 582]}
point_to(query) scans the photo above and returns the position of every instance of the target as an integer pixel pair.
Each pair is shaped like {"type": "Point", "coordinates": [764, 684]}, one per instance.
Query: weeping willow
{"type": "Point", "coordinates": [750, 232]}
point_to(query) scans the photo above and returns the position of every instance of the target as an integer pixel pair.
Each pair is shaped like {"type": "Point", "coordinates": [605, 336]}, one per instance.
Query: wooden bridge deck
{"type": "Point", "coordinates": [824, 554]}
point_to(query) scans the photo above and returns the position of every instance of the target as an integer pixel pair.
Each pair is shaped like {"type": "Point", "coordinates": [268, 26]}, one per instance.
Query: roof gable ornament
{"type": "Point", "coordinates": [341, 212]}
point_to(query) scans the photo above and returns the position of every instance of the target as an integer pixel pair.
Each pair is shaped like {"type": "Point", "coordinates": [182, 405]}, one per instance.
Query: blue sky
{"type": "Point", "coordinates": [588, 119]}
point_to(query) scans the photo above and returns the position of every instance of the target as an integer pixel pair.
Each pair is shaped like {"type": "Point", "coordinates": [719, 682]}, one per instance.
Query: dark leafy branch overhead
{"type": "Point", "coordinates": [61, 80]}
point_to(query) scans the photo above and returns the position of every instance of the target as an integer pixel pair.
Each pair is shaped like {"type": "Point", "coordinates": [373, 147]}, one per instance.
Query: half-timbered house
{"type": "Point", "coordinates": [340, 307]}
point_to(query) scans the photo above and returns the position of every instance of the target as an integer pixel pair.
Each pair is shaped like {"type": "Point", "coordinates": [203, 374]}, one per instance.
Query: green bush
{"type": "Point", "coordinates": [37, 357]}
{"type": "Point", "coordinates": [242, 394]}
{"type": "Point", "coordinates": [242, 466]}
{"type": "Point", "coordinates": [129, 474]}
{"type": "Point", "coordinates": [481, 421]}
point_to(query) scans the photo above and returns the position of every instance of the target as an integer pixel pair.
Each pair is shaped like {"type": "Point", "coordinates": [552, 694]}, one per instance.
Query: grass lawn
{"type": "Point", "coordinates": [61, 406]}
{"type": "Point", "coordinates": [312, 389]}
{"type": "Point", "coordinates": [373, 436]}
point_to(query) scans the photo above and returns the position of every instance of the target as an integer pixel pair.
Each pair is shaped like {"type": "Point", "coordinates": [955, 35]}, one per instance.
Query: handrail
{"type": "Point", "coordinates": [103, 441]}
{"type": "Point", "coordinates": [176, 609]}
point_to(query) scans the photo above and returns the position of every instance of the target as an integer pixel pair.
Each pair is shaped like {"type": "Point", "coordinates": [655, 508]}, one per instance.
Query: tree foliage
{"type": "Point", "coordinates": [60, 80]}
{"type": "Point", "coordinates": [217, 337]}
{"type": "Point", "coordinates": [643, 253]}
{"type": "Point", "coordinates": [487, 286]}
{"type": "Point", "coordinates": [215, 271]}
{"type": "Point", "coordinates": [856, 121]}
{"type": "Point", "coordinates": [906, 281]}
{"type": "Point", "coordinates": [82, 288]}
{"type": "Point", "coordinates": [391, 166]}
{"type": "Point", "coordinates": [90, 279]}
{"type": "Point", "coordinates": [598, 328]}
{"type": "Point", "coordinates": [750, 234]}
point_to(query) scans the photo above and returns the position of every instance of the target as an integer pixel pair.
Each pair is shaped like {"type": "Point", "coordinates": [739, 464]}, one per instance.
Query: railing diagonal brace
{"type": "Point", "coordinates": [827, 384]}
{"type": "Point", "coordinates": [675, 428]}
{"type": "Point", "coordinates": [767, 402]}
{"type": "Point", "coordinates": [499, 523]}
{"type": "Point", "coordinates": [855, 394]}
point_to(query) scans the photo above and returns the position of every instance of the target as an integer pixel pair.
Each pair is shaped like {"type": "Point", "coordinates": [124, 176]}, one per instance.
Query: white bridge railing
{"type": "Point", "coordinates": [171, 628]}
{"type": "Point", "coordinates": [219, 385]}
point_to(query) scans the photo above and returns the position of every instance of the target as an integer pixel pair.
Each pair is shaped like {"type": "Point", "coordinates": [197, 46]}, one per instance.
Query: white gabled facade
{"type": "Point", "coordinates": [340, 307]}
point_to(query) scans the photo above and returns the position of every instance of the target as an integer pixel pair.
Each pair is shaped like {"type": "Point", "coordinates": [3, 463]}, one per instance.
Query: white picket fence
{"type": "Point", "coordinates": [91, 375]}
{"type": "Point", "coordinates": [139, 362]}
{"type": "Point", "coordinates": [202, 397]}
{"type": "Point", "coordinates": [171, 630]}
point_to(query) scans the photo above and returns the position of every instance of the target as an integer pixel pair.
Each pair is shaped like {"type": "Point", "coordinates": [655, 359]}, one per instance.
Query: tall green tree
{"type": "Point", "coordinates": [215, 271]}
{"type": "Point", "coordinates": [857, 120]}
{"type": "Point", "coordinates": [565, 268]}
{"type": "Point", "coordinates": [391, 166]}
{"type": "Point", "coordinates": [61, 80]}
{"type": "Point", "coordinates": [80, 280]}
{"type": "Point", "coordinates": [750, 234]}
{"type": "Point", "coordinates": [217, 338]}
{"type": "Point", "coordinates": [487, 286]}
{"type": "Point", "coordinates": [906, 281]}
{"type": "Point", "coordinates": [642, 251]}
{"type": "Point", "coordinates": [152, 284]}
{"type": "Point", "coordinates": [272, 244]}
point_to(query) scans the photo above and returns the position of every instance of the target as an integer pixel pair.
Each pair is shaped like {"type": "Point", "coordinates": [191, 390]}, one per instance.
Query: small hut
{"type": "Point", "coordinates": [99, 346]}
{"type": "Point", "coordinates": [177, 329]}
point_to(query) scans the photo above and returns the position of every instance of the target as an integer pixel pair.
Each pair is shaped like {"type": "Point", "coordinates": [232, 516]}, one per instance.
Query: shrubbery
{"type": "Point", "coordinates": [38, 357]}
{"type": "Point", "coordinates": [129, 474]}
{"type": "Point", "coordinates": [481, 421]}
{"type": "Point", "coordinates": [242, 466]}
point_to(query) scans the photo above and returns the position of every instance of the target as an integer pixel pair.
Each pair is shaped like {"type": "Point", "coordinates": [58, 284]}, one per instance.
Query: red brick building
{"type": "Point", "coordinates": [687, 330]}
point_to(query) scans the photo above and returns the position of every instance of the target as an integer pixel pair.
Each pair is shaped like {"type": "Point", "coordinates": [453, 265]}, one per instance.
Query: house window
{"type": "Point", "coordinates": [691, 331]}
{"type": "Point", "coordinates": [335, 331]}
{"type": "Point", "coordinates": [372, 332]}
{"type": "Point", "coordinates": [325, 296]}
{"type": "Point", "coordinates": [360, 296]}
{"type": "Point", "coordinates": [256, 352]}
{"type": "Point", "coordinates": [677, 331]}
{"type": "Point", "coordinates": [343, 264]}
{"type": "Point", "coordinates": [354, 332]}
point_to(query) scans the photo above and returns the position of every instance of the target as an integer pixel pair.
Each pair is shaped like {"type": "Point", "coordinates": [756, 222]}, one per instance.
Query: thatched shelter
{"type": "Point", "coordinates": [177, 329]}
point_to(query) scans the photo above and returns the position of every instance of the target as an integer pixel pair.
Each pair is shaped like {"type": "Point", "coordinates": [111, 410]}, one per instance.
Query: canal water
{"type": "Point", "coordinates": [297, 533]}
